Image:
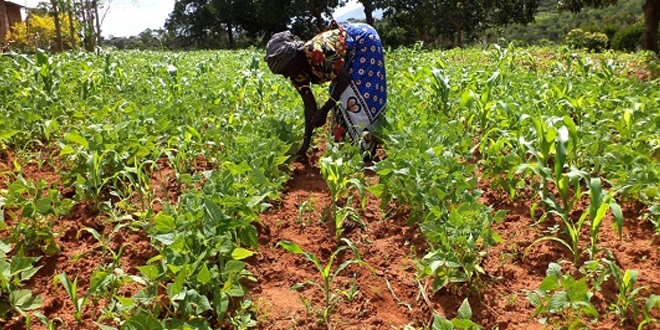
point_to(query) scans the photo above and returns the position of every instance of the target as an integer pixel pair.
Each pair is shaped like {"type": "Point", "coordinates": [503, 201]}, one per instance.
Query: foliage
{"type": "Point", "coordinates": [14, 272]}
{"type": "Point", "coordinates": [628, 38]}
{"type": "Point", "coordinates": [561, 295]}
{"type": "Point", "coordinates": [596, 41]}
{"type": "Point", "coordinates": [189, 147]}
{"type": "Point", "coordinates": [461, 321]}
{"type": "Point", "coordinates": [459, 244]}
{"type": "Point", "coordinates": [38, 31]}
{"type": "Point", "coordinates": [453, 21]}
{"type": "Point", "coordinates": [626, 306]}
{"type": "Point", "coordinates": [40, 205]}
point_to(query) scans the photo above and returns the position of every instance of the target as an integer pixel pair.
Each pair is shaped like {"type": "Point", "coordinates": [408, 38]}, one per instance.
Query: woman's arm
{"type": "Point", "coordinates": [341, 83]}
{"type": "Point", "coordinates": [310, 109]}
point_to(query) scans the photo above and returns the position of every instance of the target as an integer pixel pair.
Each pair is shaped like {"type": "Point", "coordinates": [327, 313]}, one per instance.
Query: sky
{"type": "Point", "coordinates": [130, 17]}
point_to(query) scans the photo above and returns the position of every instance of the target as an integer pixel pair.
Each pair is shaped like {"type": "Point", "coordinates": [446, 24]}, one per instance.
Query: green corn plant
{"type": "Point", "coordinates": [71, 289]}
{"type": "Point", "coordinates": [49, 324]}
{"type": "Point", "coordinates": [104, 241]}
{"type": "Point", "coordinates": [626, 306]}
{"type": "Point", "coordinates": [326, 273]}
{"type": "Point", "coordinates": [340, 184]}
{"type": "Point", "coordinates": [652, 302]}
{"type": "Point", "coordinates": [600, 202]}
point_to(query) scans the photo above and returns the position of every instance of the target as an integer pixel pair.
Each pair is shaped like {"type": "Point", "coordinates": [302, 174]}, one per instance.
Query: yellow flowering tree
{"type": "Point", "coordinates": [38, 31]}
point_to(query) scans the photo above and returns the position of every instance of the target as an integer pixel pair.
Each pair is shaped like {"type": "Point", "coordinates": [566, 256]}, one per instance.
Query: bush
{"type": "Point", "coordinates": [628, 38]}
{"type": "Point", "coordinates": [575, 38]}
{"type": "Point", "coordinates": [578, 38]}
{"type": "Point", "coordinates": [596, 41]}
{"type": "Point", "coordinates": [38, 31]}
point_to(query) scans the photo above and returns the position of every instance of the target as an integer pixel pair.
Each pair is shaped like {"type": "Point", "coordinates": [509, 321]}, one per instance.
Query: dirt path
{"type": "Point", "coordinates": [387, 244]}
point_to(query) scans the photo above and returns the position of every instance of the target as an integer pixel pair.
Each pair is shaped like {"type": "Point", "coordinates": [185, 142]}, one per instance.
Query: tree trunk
{"type": "Point", "coordinates": [651, 21]}
{"type": "Point", "coordinates": [459, 37]}
{"type": "Point", "coordinates": [320, 24]}
{"type": "Point", "coordinates": [368, 11]}
{"type": "Point", "coordinates": [230, 35]}
{"type": "Point", "coordinates": [58, 25]}
{"type": "Point", "coordinates": [72, 30]}
{"type": "Point", "coordinates": [95, 4]}
{"type": "Point", "coordinates": [90, 33]}
{"type": "Point", "coordinates": [4, 21]}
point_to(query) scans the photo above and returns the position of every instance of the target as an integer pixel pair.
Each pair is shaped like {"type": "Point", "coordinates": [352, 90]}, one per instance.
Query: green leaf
{"type": "Point", "coordinates": [441, 323]}
{"type": "Point", "coordinates": [177, 286]}
{"type": "Point", "coordinates": [164, 223]}
{"type": "Point", "coordinates": [241, 253]}
{"type": "Point", "coordinates": [77, 138]}
{"type": "Point", "coordinates": [142, 321]}
{"type": "Point", "coordinates": [618, 217]}
{"type": "Point", "coordinates": [255, 200]}
{"type": "Point", "coordinates": [465, 311]}
{"type": "Point", "coordinates": [290, 246]}
{"type": "Point", "coordinates": [24, 300]}
{"type": "Point", "coordinates": [220, 302]}
{"type": "Point", "coordinates": [651, 302]}
{"type": "Point", "coordinates": [558, 301]}
{"type": "Point", "coordinates": [377, 190]}
{"type": "Point", "coordinates": [204, 275]}
{"type": "Point", "coordinates": [550, 283]}
{"type": "Point", "coordinates": [201, 302]}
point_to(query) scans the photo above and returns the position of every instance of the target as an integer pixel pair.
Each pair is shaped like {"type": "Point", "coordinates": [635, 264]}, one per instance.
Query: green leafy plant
{"type": "Point", "coordinates": [325, 272]}
{"type": "Point", "coordinates": [626, 306]}
{"type": "Point", "coordinates": [561, 295]}
{"type": "Point", "coordinates": [14, 273]}
{"type": "Point", "coordinates": [460, 244]}
{"type": "Point", "coordinates": [38, 211]}
{"type": "Point", "coordinates": [462, 321]}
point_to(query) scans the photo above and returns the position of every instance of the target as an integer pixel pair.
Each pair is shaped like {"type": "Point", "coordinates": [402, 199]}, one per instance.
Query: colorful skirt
{"type": "Point", "coordinates": [363, 102]}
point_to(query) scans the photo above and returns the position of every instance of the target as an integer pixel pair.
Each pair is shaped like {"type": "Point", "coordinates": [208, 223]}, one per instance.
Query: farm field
{"type": "Point", "coordinates": [518, 188]}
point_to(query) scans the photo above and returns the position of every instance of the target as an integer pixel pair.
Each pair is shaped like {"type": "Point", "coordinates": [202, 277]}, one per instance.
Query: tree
{"type": "Point", "coordinates": [369, 7]}
{"type": "Point", "coordinates": [453, 20]}
{"type": "Point", "coordinates": [651, 17]}
{"type": "Point", "coordinates": [193, 25]}
{"type": "Point", "coordinates": [58, 26]}
{"type": "Point", "coordinates": [311, 15]}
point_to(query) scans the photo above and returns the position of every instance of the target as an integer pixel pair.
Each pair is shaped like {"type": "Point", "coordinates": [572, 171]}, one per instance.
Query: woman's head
{"type": "Point", "coordinates": [281, 51]}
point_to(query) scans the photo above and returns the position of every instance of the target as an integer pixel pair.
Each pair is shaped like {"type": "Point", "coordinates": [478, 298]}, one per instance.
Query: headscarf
{"type": "Point", "coordinates": [280, 51]}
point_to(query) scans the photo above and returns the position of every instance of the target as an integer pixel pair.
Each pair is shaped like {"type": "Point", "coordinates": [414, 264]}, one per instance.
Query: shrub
{"type": "Point", "coordinates": [575, 38]}
{"type": "Point", "coordinates": [578, 38]}
{"type": "Point", "coordinates": [628, 38]}
{"type": "Point", "coordinates": [38, 31]}
{"type": "Point", "coordinates": [596, 41]}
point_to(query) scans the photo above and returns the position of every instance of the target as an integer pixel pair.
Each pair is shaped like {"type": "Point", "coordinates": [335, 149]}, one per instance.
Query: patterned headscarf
{"type": "Point", "coordinates": [280, 50]}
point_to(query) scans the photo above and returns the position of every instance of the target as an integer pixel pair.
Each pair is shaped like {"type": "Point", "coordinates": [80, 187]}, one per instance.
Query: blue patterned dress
{"type": "Point", "coordinates": [357, 49]}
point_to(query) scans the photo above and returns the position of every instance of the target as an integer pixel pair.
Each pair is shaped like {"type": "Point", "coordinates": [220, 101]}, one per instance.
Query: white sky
{"type": "Point", "coordinates": [130, 17]}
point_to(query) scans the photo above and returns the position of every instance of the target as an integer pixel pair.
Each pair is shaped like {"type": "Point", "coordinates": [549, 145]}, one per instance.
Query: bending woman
{"type": "Point", "coordinates": [350, 57]}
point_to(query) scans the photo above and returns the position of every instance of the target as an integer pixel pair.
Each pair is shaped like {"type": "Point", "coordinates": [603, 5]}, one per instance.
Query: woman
{"type": "Point", "coordinates": [350, 57]}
